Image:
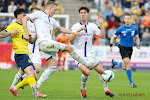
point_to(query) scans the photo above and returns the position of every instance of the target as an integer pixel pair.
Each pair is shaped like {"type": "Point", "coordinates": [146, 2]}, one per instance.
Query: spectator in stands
{"type": "Point", "coordinates": [34, 5]}
{"type": "Point", "coordinates": [142, 12]}
{"type": "Point", "coordinates": [97, 4]}
{"type": "Point", "coordinates": [141, 2]}
{"type": "Point", "coordinates": [60, 9]}
{"type": "Point", "coordinates": [146, 37]}
{"type": "Point", "coordinates": [135, 12]}
{"type": "Point", "coordinates": [117, 1]}
{"type": "Point", "coordinates": [3, 6]}
{"type": "Point", "coordinates": [112, 22]}
{"type": "Point", "coordinates": [105, 2]}
{"type": "Point", "coordinates": [147, 5]}
{"type": "Point", "coordinates": [23, 6]}
{"type": "Point", "coordinates": [106, 12]}
{"type": "Point", "coordinates": [12, 7]}
{"type": "Point", "coordinates": [111, 32]}
{"type": "Point", "coordinates": [117, 12]}
{"type": "Point", "coordinates": [146, 20]}
{"type": "Point", "coordinates": [127, 6]}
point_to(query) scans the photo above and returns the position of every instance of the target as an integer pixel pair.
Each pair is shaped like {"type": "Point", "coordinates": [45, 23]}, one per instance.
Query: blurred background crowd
{"type": "Point", "coordinates": [111, 10]}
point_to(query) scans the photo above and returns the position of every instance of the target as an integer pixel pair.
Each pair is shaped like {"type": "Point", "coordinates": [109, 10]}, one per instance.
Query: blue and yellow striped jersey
{"type": "Point", "coordinates": [20, 45]}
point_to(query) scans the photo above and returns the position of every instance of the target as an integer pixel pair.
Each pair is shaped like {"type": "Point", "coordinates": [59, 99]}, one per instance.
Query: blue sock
{"type": "Point", "coordinates": [129, 74]}
{"type": "Point", "coordinates": [120, 64]}
{"type": "Point", "coordinates": [115, 63]}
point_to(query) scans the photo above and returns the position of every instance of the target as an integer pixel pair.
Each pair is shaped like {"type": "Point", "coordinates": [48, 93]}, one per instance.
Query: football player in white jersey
{"type": "Point", "coordinates": [83, 46]}
{"type": "Point", "coordinates": [45, 23]}
{"type": "Point", "coordinates": [34, 55]}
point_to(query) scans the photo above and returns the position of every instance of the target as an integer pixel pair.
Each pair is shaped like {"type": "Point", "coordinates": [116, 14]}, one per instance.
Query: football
{"type": "Point", "coordinates": [108, 75]}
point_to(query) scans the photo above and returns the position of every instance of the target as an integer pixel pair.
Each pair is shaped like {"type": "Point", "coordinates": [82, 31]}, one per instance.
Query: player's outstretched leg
{"type": "Point", "coordinates": [105, 85]}
{"type": "Point", "coordinates": [114, 63]}
{"type": "Point", "coordinates": [45, 75]}
{"type": "Point", "coordinates": [84, 80]}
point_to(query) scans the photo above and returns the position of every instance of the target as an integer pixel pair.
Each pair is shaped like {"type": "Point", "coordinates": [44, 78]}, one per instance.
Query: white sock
{"type": "Point", "coordinates": [105, 84]}
{"type": "Point", "coordinates": [14, 88]}
{"type": "Point", "coordinates": [16, 79]}
{"type": "Point", "coordinates": [24, 76]}
{"type": "Point", "coordinates": [45, 75]}
{"type": "Point", "coordinates": [84, 80]}
{"type": "Point", "coordinates": [78, 58]}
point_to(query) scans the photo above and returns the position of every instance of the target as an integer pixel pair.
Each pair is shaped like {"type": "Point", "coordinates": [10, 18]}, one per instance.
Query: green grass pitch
{"type": "Point", "coordinates": [66, 86]}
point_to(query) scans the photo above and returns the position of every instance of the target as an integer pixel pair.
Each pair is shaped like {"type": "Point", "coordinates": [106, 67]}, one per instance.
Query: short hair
{"type": "Point", "coordinates": [31, 10]}
{"type": "Point", "coordinates": [127, 15]}
{"type": "Point", "coordinates": [85, 8]}
{"type": "Point", "coordinates": [19, 11]}
{"type": "Point", "coordinates": [50, 3]}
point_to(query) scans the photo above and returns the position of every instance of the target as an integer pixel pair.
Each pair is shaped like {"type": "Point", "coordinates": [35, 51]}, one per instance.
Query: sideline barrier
{"type": "Point", "coordinates": [140, 58]}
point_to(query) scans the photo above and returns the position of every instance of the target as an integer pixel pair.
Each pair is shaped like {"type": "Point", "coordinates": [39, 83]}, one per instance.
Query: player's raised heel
{"type": "Point", "coordinates": [133, 85]}
{"type": "Point", "coordinates": [109, 93]}
{"type": "Point", "coordinates": [11, 89]}
{"type": "Point", "coordinates": [83, 93]}
{"type": "Point", "coordinates": [35, 90]}
{"type": "Point", "coordinates": [112, 64]}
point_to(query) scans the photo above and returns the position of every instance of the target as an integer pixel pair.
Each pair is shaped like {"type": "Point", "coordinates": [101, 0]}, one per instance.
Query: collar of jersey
{"type": "Point", "coordinates": [31, 21]}
{"type": "Point", "coordinates": [82, 24]}
{"type": "Point", "coordinates": [126, 26]}
{"type": "Point", "coordinates": [45, 13]}
{"type": "Point", "coordinates": [18, 23]}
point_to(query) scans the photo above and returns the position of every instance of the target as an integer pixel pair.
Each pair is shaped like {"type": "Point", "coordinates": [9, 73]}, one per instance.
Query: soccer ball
{"type": "Point", "coordinates": [108, 75]}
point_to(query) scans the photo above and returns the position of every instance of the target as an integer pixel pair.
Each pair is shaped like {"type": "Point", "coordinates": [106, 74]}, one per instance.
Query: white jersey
{"type": "Point", "coordinates": [33, 48]}
{"type": "Point", "coordinates": [83, 44]}
{"type": "Point", "coordinates": [34, 52]}
{"type": "Point", "coordinates": [44, 25]}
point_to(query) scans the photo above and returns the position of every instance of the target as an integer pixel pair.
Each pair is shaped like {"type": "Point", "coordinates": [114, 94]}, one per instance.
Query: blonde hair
{"type": "Point", "coordinates": [50, 3]}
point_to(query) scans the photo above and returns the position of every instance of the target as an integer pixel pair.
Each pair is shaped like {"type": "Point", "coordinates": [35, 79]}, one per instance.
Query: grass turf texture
{"type": "Point", "coordinates": [66, 86]}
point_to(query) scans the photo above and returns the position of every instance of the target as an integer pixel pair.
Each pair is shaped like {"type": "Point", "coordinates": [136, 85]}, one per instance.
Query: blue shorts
{"type": "Point", "coordinates": [23, 61]}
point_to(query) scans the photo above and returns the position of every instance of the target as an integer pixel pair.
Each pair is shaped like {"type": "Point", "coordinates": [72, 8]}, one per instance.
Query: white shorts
{"type": "Point", "coordinates": [89, 58]}
{"type": "Point", "coordinates": [51, 47]}
{"type": "Point", "coordinates": [35, 57]}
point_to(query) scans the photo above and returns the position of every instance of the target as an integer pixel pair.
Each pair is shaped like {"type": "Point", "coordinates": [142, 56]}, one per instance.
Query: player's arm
{"type": "Point", "coordinates": [100, 21]}
{"type": "Point", "coordinates": [4, 33]}
{"type": "Point", "coordinates": [73, 37]}
{"type": "Point", "coordinates": [112, 40]}
{"type": "Point", "coordinates": [32, 39]}
{"type": "Point", "coordinates": [64, 30]}
{"type": "Point", "coordinates": [24, 23]}
{"type": "Point", "coordinates": [137, 41]}
{"type": "Point", "coordinates": [137, 38]}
